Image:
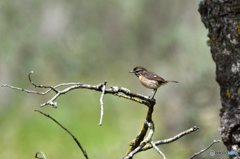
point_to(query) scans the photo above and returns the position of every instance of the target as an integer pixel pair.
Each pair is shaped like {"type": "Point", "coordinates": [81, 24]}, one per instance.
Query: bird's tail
{"type": "Point", "coordinates": [172, 81]}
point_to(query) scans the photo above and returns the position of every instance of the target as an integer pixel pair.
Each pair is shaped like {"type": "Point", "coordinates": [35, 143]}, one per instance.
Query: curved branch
{"type": "Point", "coordinates": [36, 155]}
{"type": "Point", "coordinates": [75, 139]}
{"type": "Point", "coordinates": [203, 150]}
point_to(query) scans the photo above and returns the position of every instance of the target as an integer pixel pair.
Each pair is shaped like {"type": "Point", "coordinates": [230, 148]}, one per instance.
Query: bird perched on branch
{"type": "Point", "coordinates": [149, 79]}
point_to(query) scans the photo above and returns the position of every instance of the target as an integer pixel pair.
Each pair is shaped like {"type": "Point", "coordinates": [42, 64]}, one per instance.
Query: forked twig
{"type": "Point", "coordinates": [156, 143]}
{"type": "Point", "coordinates": [157, 149]}
{"type": "Point", "coordinates": [40, 86]}
{"type": "Point", "coordinates": [148, 139]}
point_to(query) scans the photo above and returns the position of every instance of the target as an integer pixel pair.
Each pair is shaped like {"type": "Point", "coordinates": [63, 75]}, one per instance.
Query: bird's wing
{"type": "Point", "coordinates": [153, 76]}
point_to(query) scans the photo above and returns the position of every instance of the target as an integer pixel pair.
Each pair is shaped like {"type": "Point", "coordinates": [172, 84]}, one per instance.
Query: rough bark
{"type": "Point", "coordinates": [222, 19]}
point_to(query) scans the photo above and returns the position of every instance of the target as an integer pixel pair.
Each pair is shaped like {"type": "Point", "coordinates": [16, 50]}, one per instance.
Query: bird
{"type": "Point", "coordinates": [149, 79]}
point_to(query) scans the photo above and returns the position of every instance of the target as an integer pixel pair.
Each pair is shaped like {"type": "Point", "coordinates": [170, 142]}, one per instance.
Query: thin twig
{"type": "Point", "coordinates": [196, 154]}
{"type": "Point", "coordinates": [36, 155]}
{"type": "Point", "coordinates": [166, 141]}
{"type": "Point", "coordinates": [40, 86]}
{"type": "Point", "coordinates": [76, 140]}
{"type": "Point", "coordinates": [25, 90]}
{"type": "Point", "coordinates": [36, 92]}
{"type": "Point", "coordinates": [101, 101]}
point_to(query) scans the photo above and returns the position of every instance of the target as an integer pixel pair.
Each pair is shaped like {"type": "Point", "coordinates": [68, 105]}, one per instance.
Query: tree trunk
{"type": "Point", "coordinates": [222, 19]}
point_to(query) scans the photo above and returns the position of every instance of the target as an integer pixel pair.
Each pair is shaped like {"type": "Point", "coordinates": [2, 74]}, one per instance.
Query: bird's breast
{"type": "Point", "coordinates": [149, 83]}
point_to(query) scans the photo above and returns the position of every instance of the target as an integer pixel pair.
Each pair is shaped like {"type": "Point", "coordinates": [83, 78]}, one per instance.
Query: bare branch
{"type": "Point", "coordinates": [36, 156]}
{"type": "Point", "coordinates": [75, 139]}
{"type": "Point", "coordinates": [196, 154]}
{"type": "Point", "coordinates": [115, 90]}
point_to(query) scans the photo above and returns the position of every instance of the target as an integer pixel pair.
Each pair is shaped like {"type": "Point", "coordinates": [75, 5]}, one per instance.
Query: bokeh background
{"type": "Point", "coordinates": [93, 41]}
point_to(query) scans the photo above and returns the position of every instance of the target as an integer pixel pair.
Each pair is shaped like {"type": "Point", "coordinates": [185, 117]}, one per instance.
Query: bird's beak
{"type": "Point", "coordinates": [131, 71]}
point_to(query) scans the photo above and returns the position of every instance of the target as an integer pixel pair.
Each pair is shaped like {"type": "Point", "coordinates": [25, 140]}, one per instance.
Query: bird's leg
{"type": "Point", "coordinates": [154, 91]}
{"type": "Point", "coordinates": [151, 94]}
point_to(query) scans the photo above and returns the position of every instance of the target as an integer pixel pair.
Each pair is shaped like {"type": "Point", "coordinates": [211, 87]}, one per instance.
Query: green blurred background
{"type": "Point", "coordinates": [93, 41]}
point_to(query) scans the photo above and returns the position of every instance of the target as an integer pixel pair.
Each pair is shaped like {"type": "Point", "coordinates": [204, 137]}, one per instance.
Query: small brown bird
{"type": "Point", "coordinates": [149, 79]}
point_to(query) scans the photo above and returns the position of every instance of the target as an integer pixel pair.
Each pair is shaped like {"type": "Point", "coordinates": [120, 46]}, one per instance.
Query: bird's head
{"type": "Point", "coordinates": [138, 70]}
